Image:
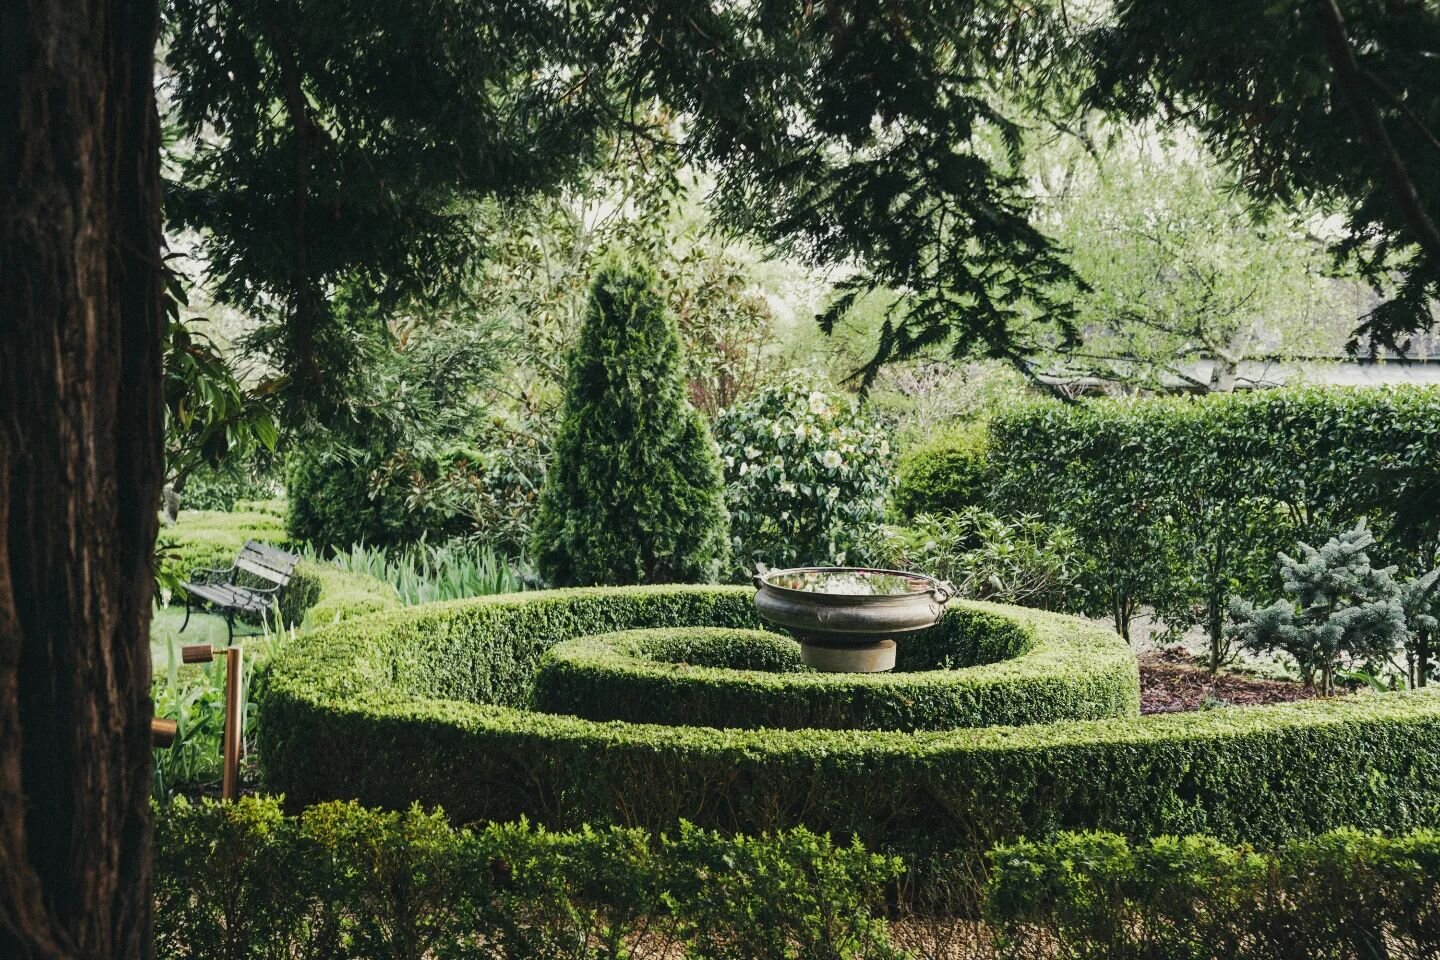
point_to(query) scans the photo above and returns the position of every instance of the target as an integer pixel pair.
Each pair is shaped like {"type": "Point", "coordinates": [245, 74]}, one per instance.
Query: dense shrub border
{"type": "Point", "coordinates": [1342, 894]}
{"type": "Point", "coordinates": [943, 475]}
{"type": "Point", "coordinates": [427, 704]}
{"type": "Point", "coordinates": [242, 879]}
{"type": "Point", "coordinates": [318, 594]}
{"type": "Point", "coordinates": [1007, 668]}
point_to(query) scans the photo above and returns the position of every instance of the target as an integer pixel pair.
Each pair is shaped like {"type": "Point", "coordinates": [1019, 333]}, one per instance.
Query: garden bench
{"type": "Point", "coordinates": [219, 589]}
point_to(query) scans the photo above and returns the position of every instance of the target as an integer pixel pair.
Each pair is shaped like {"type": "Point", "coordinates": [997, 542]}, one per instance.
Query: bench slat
{"type": "Point", "coordinates": [262, 570]}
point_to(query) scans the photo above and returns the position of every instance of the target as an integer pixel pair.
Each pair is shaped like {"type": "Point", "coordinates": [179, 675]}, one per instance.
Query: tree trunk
{"type": "Point", "coordinates": [80, 473]}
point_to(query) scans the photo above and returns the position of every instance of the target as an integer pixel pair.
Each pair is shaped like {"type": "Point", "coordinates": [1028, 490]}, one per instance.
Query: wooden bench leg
{"type": "Point", "coordinates": [230, 624]}
{"type": "Point", "coordinates": [187, 614]}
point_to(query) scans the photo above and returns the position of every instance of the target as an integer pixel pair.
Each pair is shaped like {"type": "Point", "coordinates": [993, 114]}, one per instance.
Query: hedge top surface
{"type": "Point", "coordinates": [979, 667]}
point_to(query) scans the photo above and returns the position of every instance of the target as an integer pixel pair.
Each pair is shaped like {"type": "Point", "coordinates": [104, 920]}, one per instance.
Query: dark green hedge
{"type": "Point", "coordinates": [428, 703]}
{"type": "Point", "coordinates": [978, 668]}
{"type": "Point", "coordinates": [1095, 896]}
{"type": "Point", "coordinates": [235, 881]}
{"type": "Point", "coordinates": [944, 475]}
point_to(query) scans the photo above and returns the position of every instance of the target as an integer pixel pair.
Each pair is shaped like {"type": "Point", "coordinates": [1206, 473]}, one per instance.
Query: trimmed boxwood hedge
{"type": "Point", "coordinates": [428, 703]}
{"type": "Point", "coordinates": [980, 667]}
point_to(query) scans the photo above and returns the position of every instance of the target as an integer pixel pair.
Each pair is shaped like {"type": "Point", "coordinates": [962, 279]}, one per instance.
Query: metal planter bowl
{"type": "Point", "coordinates": [846, 618]}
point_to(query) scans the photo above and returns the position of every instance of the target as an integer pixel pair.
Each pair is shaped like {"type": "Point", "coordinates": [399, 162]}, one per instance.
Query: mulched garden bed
{"type": "Point", "coordinates": [1171, 684]}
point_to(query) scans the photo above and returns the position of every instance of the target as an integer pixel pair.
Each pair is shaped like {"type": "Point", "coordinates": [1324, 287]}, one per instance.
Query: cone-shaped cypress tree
{"type": "Point", "coordinates": [635, 493]}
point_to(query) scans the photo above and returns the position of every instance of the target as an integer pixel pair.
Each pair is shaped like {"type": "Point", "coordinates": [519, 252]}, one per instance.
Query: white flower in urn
{"type": "Point", "coordinates": [831, 459]}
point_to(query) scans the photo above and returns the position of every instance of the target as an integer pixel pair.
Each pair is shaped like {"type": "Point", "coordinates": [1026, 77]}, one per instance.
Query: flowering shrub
{"type": "Point", "coordinates": [806, 477]}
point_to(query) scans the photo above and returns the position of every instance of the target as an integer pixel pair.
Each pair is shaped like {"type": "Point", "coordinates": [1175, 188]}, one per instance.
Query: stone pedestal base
{"type": "Point", "coordinates": [873, 657]}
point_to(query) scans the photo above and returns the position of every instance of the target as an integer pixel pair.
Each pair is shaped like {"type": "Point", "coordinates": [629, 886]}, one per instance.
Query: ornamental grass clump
{"type": "Point", "coordinates": [634, 494]}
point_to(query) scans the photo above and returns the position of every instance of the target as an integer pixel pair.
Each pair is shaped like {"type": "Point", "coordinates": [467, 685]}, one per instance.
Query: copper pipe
{"type": "Point", "coordinates": [163, 732]}
{"type": "Point", "coordinates": [233, 739]}
{"type": "Point", "coordinates": [197, 653]}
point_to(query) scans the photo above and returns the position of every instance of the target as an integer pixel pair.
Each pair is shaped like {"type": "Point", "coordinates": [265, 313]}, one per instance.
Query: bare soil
{"type": "Point", "coordinates": [1171, 683]}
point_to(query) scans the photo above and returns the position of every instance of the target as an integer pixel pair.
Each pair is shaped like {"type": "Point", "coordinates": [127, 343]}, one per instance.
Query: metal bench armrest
{"type": "Point", "coordinates": [211, 575]}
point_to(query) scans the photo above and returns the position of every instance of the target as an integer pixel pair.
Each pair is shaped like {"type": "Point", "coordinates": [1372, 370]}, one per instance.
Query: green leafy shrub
{"type": "Point", "coordinates": [1097, 896]}
{"type": "Point", "coordinates": [806, 476]}
{"type": "Point", "coordinates": [991, 669]}
{"type": "Point", "coordinates": [1023, 560]}
{"type": "Point", "coordinates": [425, 572]}
{"type": "Point", "coordinates": [634, 494]}
{"type": "Point", "coordinates": [944, 475]}
{"type": "Point", "coordinates": [431, 703]}
{"type": "Point", "coordinates": [226, 486]}
{"type": "Point", "coordinates": [240, 880]}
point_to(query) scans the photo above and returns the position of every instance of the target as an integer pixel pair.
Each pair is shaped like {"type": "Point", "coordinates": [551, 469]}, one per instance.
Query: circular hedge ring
{"type": "Point", "coordinates": [717, 677]}
{"type": "Point", "coordinates": [432, 704]}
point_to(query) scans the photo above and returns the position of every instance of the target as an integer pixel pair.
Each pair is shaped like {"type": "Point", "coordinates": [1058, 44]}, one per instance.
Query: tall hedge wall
{"type": "Point", "coordinates": [429, 703]}
{"type": "Point", "coordinates": [1180, 502]}
{"type": "Point", "coordinates": [987, 668]}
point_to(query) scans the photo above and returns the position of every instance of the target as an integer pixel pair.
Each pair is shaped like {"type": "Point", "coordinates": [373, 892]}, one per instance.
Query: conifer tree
{"type": "Point", "coordinates": [635, 493]}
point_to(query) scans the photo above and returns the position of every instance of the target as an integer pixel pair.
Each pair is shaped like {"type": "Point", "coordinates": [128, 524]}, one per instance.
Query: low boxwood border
{"type": "Point", "coordinates": [427, 704]}
{"type": "Point", "coordinates": [1047, 668]}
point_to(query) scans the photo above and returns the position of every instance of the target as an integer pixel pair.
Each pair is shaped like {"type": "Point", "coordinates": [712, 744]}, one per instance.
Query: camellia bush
{"type": "Point", "coordinates": [806, 477]}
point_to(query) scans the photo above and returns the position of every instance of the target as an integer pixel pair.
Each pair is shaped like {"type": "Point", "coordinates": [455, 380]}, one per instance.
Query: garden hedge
{"type": "Point", "coordinates": [1344, 894]}
{"type": "Point", "coordinates": [978, 668]}
{"type": "Point", "coordinates": [242, 880]}
{"type": "Point", "coordinates": [1179, 503]}
{"type": "Point", "coordinates": [431, 704]}
{"type": "Point", "coordinates": [318, 593]}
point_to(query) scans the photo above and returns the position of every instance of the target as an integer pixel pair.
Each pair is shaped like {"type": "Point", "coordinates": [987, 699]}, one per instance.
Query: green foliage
{"type": "Point", "coordinates": [424, 572]}
{"type": "Point", "coordinates": [1187, 279]}
{"type": "Point", "coordinates": [1097, 896]}
{"type": "Point", "coordinates": [413, 458]}
{"type": "Point", "coordinates": [380, 708]}
{"type": "Point", "coordinates": [241, 880]}
{"type": "Point", "coordinates": [1025, 561]}
{"type": "Point", "coordinates": [944, 475]}
{"type": "Point", "coordinates": [1181, 504]}
{"type": "Point", "coordinates": [978, 668]}
{"type": "Point", "coordinates": [634, 494]}
{"type": "Point", "coordinates": [1344, 92]}
{"type": "Point", "coordinates": [231, 485]}
{"type": "Point", "coordinates": [194, 697]}
{"type": "Point", "coordinates": [1337, 608]}
{"type": "Point", "coordinates": [806, 474]}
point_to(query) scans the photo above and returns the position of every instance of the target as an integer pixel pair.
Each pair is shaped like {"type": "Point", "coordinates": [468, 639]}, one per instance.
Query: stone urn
{"type": "Point", "coordinates": [847, 619]}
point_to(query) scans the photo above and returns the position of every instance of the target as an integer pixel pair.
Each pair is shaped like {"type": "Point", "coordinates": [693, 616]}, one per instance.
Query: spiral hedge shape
{"type": "Point", "coordinates": [432, 704]}
{"type": "Point", "coordinates": [979, 668]}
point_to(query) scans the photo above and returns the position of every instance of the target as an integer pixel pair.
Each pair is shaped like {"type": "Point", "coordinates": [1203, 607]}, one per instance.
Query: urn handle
{"type": "Point", "coordinates": [943, 591]}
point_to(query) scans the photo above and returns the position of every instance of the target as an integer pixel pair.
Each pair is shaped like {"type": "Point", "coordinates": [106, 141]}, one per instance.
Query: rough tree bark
{"type": "Point", "coordinates": [80, 473]}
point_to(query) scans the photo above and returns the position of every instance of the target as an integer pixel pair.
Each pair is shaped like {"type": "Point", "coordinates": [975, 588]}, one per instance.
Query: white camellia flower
{"type": "Point", "coordinates": [831, 459]}
{"type": "Point", "coordinates": [777, 463]}
{"type": "Point", "coordinates": [833, 493]}
{"type": "Point", "coordinates": [776, 430]}
{"type": "Point", "coordinates": [817, 403]}
{"type": "Point", "coordinates": [751, 453]}
{"type": "Point", "coordinates": [730, 461]}
{"type": "Point", "coordinates": [744, 467]}
{"type": "Point", "coordinates": [784, 514]}
{"type": "Point", "coordinates": [787, 487]}
{"type": "Point", "coordinates": [799, 431]}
